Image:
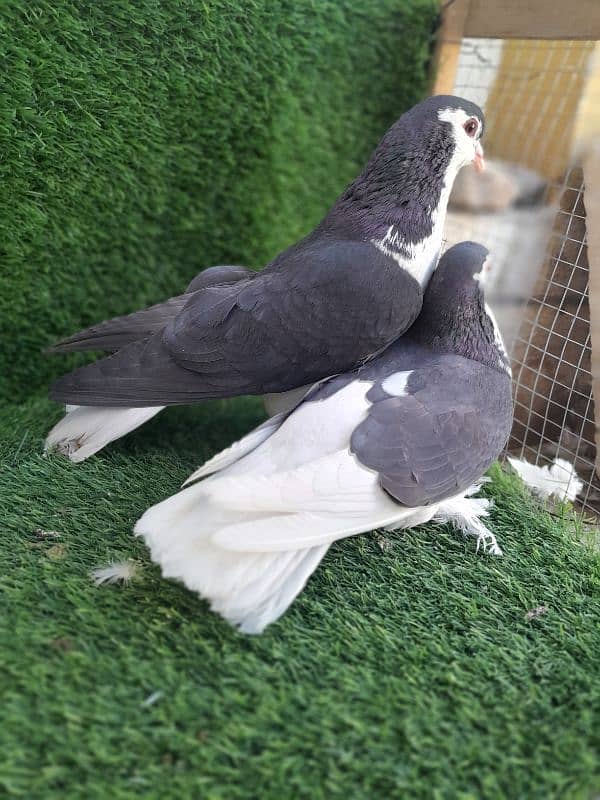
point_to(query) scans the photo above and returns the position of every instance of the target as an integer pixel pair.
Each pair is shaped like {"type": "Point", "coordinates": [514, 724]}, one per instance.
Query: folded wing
{"type": "Point", "coordinates": [439, 434]}
{"type": "Point", "coordinates": [114, 334]}
{"type": "Point", "coordinates": [329, 309]}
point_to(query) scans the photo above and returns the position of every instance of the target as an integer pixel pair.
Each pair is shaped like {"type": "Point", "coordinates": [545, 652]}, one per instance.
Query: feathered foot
{"type": "Point", "coordinates": [465, 512]}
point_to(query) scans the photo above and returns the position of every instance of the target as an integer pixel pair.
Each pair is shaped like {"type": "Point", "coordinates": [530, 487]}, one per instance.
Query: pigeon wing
{"type": "Point", "coordinates": [116, 333]}
{"type": "Point", "coordinates": [330, 309]}
{"type": "Point", "coordinates": [440, 434]}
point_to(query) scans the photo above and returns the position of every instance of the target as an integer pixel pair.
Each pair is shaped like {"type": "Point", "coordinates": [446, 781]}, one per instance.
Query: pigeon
{"type": "Point", "coordinates": [323, 306]}
{"type": "Point", "coordinates": [396, 442]}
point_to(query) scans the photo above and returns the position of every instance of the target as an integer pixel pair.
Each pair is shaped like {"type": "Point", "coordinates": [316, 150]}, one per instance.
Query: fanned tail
{"type": "Point", "coordinates": [250, 590]}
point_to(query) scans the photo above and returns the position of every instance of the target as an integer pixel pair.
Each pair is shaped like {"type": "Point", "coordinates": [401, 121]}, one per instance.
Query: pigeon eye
{"type": "Point", "coordinates": [471, 127]}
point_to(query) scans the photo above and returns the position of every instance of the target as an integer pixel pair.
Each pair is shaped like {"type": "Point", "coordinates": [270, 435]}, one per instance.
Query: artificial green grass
{"type": "Point", "coordinates": [404, 672]}
{"type": "Point", "coordinates": [142, 141]}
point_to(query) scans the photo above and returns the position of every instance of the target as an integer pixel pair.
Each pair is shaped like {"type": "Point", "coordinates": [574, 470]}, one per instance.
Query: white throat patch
{"type": "Point", "coordinates": [423, 256]}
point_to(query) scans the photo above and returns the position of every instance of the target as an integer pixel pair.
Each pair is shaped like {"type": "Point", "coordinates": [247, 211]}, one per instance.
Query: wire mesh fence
{"type": "Point", "coordinates": [554, 408]}
{"type": "Point", "coordinates": [529, 91]}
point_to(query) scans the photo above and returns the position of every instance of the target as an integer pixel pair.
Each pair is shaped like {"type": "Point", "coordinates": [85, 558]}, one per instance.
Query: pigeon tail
{"type": "Point", "coordinates": [249, 589]}
{"type": "Point", "coordinates": [85, 430]}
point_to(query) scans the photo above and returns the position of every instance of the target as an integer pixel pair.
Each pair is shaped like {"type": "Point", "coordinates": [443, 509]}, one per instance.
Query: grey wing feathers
{"type": "Point", "coordinates": [431, 444]}
{"type": "Point", "coordinates": [218, 276]}
{"type": "Point", "coordinates": [337, 306]}
{"type": "Point", "coordinates": [140, 375]}
{"type": "Point", "coordinates": [115, 333]}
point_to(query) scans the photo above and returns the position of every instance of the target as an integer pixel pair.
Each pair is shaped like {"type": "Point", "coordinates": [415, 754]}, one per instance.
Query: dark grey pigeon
{"type": "Point", "coordinates": [395, 443]}
{"type": "Point", "coordinates": [328, 303]}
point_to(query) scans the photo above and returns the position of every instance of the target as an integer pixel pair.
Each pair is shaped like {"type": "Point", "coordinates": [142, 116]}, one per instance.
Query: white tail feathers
{"type": "Point", "coordinates": [86, 429]}
{"type": "Point", "coordinates": [250, 558]}
{"type": "Point", "coordinates": [250, 590]}
{"type": "Point", "coordinates": [248, 538]}
{"type": "Point", "coordinates": [238, 449]}
{"type": "Point", "coordinates": [249, 544]}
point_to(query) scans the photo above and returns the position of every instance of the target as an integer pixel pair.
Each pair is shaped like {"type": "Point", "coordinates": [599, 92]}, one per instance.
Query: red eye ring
{"type": "Point", "coordinates": [471, 127]}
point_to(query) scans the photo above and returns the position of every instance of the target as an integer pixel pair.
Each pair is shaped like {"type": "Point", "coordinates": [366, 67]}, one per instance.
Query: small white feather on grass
{"type": "Point", "coordinates": [556, 480]}
{"type": "Point", "coordinates": [115, 572]}
{"type": "Point", "coordinates": [152, 699]}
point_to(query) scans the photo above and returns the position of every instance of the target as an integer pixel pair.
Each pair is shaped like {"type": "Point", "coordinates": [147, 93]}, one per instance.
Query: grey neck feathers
{"type": "Point", "coordinates": [402, 185]}
{"type": "Point", "coordinates": [463, 328]}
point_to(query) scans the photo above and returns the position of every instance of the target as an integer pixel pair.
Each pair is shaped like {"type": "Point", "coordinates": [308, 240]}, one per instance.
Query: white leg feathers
{"type": "Point", "coordinates": [86, 429]}
{"type": "Point", "coordinates": [465, 512]}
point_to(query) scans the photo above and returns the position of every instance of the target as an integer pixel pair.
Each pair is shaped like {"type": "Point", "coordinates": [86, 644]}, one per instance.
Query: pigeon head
{"type": "Point", "coordinates": [455, 317]}
{"type": "Point", "coordinates": [459, 278]}
{"type": "Point", "coordinates": [453, 121]}
{"type": "Point", "coordinates": [421, 153]}
{"type": "Point", "coordinates": [399, 200]}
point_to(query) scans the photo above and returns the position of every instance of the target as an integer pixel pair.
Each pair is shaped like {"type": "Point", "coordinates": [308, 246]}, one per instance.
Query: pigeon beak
{"type": "Point", "coordinates": [478, 159]}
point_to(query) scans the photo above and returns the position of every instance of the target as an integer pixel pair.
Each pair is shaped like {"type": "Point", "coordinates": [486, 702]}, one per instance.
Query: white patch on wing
{"type": "Point", "coordinates": [396, 384]}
